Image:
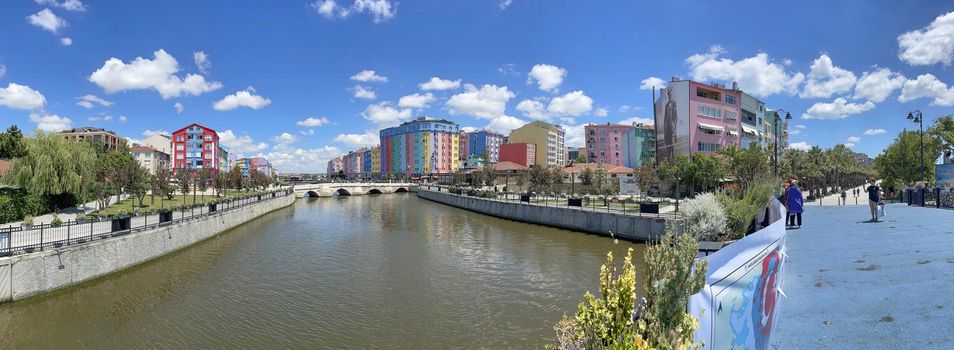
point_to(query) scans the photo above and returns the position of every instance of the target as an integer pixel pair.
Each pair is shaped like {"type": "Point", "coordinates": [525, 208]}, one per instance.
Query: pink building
{"type": "Point", "coordinates": [693, 117]}
{"type": "Point", "coordinates": [464, 141]}
{"type": "Point", "coordinates": [607, 143]}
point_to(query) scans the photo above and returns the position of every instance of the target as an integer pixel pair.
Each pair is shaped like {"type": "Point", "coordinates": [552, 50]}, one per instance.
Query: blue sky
{"type": "Point", "coordinates": [270, 66]}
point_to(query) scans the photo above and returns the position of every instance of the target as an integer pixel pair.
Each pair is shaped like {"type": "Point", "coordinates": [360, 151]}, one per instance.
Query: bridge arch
{"type": "Point", "coordinates": [342, 192]}
{"type": "Point", "coordinates": [400, 189]}
{"type": "Point", "coordinates": [311, 194]}
{"type": "Point", "coordinates": [375, 191]}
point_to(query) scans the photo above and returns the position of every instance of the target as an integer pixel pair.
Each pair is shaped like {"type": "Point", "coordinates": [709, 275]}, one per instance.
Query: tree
{"type": "Point", "coordinates": [202, 182]}
{"type": "Point", "coordinates": [184, 178]}
{"type": "Point", "coordinates": [137, 181]}
{"type": "Point", "coordinates": [160, 184]}
{"type": "Point", "coordinates": [12, 144]}
{"type": "Point", "coordinates": [457, 177]}
{"type": "Point", "coordinates": [599, 176]}
{"type": "Point", "coordinates": [744, 164]}
{"type": "Point", "coordinates": [580, 159]}
{"type": "Point", "coordinates": [485, 176]}
{"type": "Point", "coordinates": [221, 182]}
{"type": "Point", "coordinates": [557, 180]}
{"type": "Point", "coordinates": [645, 176]}
{"type": "Point", "coordinates": [52, 165]}
{"type": "Point", "coordinates": [235, 178]}
{"type": "Point", "coordinates": [901, 161]}
{"type": "Point", "coordinates": [586, 180]}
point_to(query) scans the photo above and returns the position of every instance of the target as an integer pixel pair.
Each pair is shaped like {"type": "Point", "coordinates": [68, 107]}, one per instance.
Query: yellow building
{"type": "Point", "coordinates": [376, 160]}
{"type": "Point", "coordinates": [548, 139]}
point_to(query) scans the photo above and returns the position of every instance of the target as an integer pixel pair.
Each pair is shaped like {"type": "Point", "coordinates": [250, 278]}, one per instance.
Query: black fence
{"type": "Point", "coordinates": [929, 197]}
{"type": "Point", "coordinates": [628, 205]}
{"type": "Point", "coordinates": [32, 238]}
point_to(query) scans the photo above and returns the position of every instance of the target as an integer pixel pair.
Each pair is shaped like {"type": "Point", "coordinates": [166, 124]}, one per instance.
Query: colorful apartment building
{"type": "Point", "coordinates": [753, 121]}
{"type": "Point", "coordinates": [776, 129]}
{"type": "Point", "coordinates": [260, 165]}
{"type": "Point", "coordinates": [376, 160]}
{"type": "Point", "coordinates": [549, 141]}
{"type": "Point", "coordinates": [197, 147]}
{"type": "Point", "coordinates": [519, 153]}
{"type": "Point", "coordinates": [483, 140]}
{"type": "Point", "coordinates": [96, 136]}
{"type": "Point", "coordinates": [694, 117]}
{"type": "Point", "coordinates": [366, 162]}
{"type": "Point", "coordinates": [150, 158]}
{"type": "Point", "coordinates": [464, 145]}
{"type": "Point", "coordinates": [353, 164]}
{"type": "Point", "coordinates": [610, 144]}
{"type": "Point", "coordinates": [335, 167]}
{"type": "Point", "coordinates": [644, 137]}
{"type": "Point", "coordinates": [421, 146]}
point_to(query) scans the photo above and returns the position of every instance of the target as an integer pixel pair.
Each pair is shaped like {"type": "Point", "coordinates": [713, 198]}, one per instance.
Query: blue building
{"type": "Point", "coordinates": [482, 140]}
{"type": "Point", "coordinates": [366, 162]}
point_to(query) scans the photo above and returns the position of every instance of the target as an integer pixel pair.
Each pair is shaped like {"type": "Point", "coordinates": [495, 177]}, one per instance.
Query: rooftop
{"type": "Point", "coordinates": [86, 129]}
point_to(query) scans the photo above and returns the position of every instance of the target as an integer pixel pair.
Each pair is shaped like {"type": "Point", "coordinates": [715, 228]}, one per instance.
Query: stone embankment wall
{"type": "Point", "coordinates": [630, 227]}
{"type": "Point", "coordinates": [26, 275]}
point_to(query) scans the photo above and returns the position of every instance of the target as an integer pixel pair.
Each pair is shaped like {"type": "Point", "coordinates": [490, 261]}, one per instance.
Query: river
{"type": "Point", "coordinates": [378, 271]}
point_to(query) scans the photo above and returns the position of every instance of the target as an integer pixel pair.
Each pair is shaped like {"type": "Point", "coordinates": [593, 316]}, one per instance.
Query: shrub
{"type": "Point", "coordinates": [56, 222]}
{"type": "Point", "coordinates": [613, 320]}
{"type": "Point", "coordinates": [742, 211]}
{"type": "Point", "coordinates": [704, 217]}
{"type": "Point", "coordinates": [28, 220]}
{"type": "Point", "coordinates": [81, 217]}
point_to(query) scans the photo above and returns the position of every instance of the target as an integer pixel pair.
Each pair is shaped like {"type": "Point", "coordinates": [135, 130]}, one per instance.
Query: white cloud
{"type": "Point", "coordinates": [385, 115]}
{"type": "Point", "coordinates": [67, 41]}
{"type": "Point", "coordinates": [488, 102]}
{"type": "Point", "coordinates": [929, 45]}
{"type": "Point", "coordinates": [241, 144]}
{"type": "Point", "coordinates": [637, 120]}
{"type": "Point", "coordinates": [878, 85]}
{"type": "Point", "coordinates": [367, 139]}
{"type": "Point", "coordinates": [379, 10]}
{"type": "Point", "coordinates": [313, 122]}
{"type": "Point", "coordinates": [18, 96]}
{"type": "Point", "coordinates": [628, 108]}
{"type": "Point", "coordinates": [575, 136]}
{"type": "Point", "coordinates": [308, 132]}
{"type": "Point", "coordinates": [50, 122]}
{"type": "Point", "coordinates": [148, 132]}
{"type": "Point", "coordinates": [288, 159]}
{"type": "Point", "coordinates": [104, 118]}
{"type": "Point", "coordinates": [468, 129]}
{"type": "Point", "coordinates": [242, 98]}
{"type": "Point", "coordinates": [533, 109]}
{"type": "Point", "coordinates": [871, 132]}
{"type": "Point", "coordinates": [508, 69]}
{"type": "Point", "coordinates": [416, 100]}
{"type": "Point", "coordinates": [504, 4]}
{"type": "Point", "coordinates": [575, 103]}
{"type": "Point", "coordinates": [927, 85]}
{"type": "Point", "coordinates": [47, 20]}
{"type": "Point", "coordinates": [88, 101]}
{"type": "Point", "coordinates": [853, 139]}
{"type": "Point", "coordinates": [179, 107]}
{"type": "Point", "coordinates": [849, 144]}
{"type": "Point", "coordinates": [601, 112]}
{"type": "Point", "coordinates": [838, 109]}
{"type": "Point", "coordinates": [440, 84]}
{"type": "Point", "coordinates": [369, 76]}
{"type": "Point", "coordinates": [157, 73]}
{"type": "Point", "coordinates": [756, 75]}
{"type": "Point", "coordinates": [123, 119]}
{"type": "Point", "coordinates": [800, 126]}
{"type": "Point", "coordinates": [794, 132]}
{"type": "Point", "coordinates": [547, 77]}
{"type": "Point", "coordinates": [504, 124]}
{"type": "Point", "coordinates": [284, 138]}
{"type": "Point", "coordinates": [826, 80]}
{"type": "Point", "coordinates": [649, 83]}
{"type": "Point", "coordinates": [364, 93]}
{"type": "Point", "coordinates": [801, 146]}
{"type": "Point", "coordinates": [202, 61]}
{"type": "Point", "coordinates": [69, 5]}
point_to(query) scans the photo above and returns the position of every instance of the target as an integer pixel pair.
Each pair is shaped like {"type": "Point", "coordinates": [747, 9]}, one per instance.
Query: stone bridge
{"type": "Point", "coordinates": [351, 188]}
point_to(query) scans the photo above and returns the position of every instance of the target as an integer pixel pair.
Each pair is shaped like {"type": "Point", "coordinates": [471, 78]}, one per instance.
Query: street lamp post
{"type": "Point", "coordinates": [788, 116]}
{"type": "Point", "coordinates": [917, 117]}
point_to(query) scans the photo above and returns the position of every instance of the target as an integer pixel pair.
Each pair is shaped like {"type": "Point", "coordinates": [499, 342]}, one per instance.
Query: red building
{"type": "Point", "coordinates": [196, 147]}
{"type": "Point", "coordinates": [520, 153]}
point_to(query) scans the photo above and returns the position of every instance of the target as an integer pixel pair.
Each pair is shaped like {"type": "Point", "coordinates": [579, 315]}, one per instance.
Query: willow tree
{"type": "Point", "coordinates": [52, 165]}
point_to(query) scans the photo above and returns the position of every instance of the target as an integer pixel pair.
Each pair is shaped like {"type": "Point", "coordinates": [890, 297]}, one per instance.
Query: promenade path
{"type": "Point", "coordinates": [851, 284]}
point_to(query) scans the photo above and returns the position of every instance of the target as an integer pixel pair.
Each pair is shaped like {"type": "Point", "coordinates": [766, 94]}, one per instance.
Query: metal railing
{"type": "Point", "coordinates": [929, 197]}
{"type": "Point", "coordinates": [641, 206]}
{"type": "Point", "coordinates": [32, 238]}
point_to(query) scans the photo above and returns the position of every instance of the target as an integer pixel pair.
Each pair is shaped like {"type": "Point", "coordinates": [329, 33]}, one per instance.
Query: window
{"type": "Point", "coordinates": [708, 147]}
{"type": "Point", "coordinates": [180, 147]}
{"type": "Point", "coordinates": [208, 155]}
{"type": "Point", "coordinates": [730, 100]}
{"type": "Point", "coordinates": [730, 115]}
{"type": "Point", "coordinates": [180, 156]}
{"type": "Point", "coordinates": [705, 93]}
{"type": "Point", "coordinates": [208, 137]}
{"type": "Point", "coordinates": [707, 111]}
{"type": "Point", "coordinates": [179, 138]}
{"type": "Point", "coordinates": [702, 130]}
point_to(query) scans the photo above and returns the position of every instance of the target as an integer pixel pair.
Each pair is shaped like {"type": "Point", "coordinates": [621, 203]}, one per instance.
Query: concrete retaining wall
{"type": "Point", "coordinates": [22, 276]}
{"type": "Point", "coordinates": [636, 228]}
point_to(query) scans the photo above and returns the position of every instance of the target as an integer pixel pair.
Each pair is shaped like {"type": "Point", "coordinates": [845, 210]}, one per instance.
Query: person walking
{"type": "Point", "coordinates": [874, 198]}
{"type": "Point", "coordinates": [795, 204]}
{"type": "Point", "coordinates": [844, 197]}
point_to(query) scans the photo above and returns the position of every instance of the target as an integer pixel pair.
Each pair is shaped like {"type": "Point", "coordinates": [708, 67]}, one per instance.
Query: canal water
{"type": "Point", "coordinates": [379, 271]}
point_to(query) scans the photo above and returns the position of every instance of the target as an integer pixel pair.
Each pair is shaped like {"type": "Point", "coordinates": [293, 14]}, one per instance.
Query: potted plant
{"type": "Point", "coordinates": [28, 221]}
{"type": "Point", "coordinates": [56, 222]}
{"type": "Point", "coordinates": [81, 218]}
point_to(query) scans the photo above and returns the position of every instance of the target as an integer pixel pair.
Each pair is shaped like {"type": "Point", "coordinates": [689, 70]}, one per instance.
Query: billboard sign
{"type": "Point", "coordinates": [944, 175]}
{"type": "Point", "coordinates": [628, 185]}
{"type": "Point", "coordinates": [672, 121]}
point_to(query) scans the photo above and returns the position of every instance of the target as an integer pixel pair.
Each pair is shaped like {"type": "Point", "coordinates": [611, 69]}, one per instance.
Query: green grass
{"type": "Point", "coordinates": [130, 204]}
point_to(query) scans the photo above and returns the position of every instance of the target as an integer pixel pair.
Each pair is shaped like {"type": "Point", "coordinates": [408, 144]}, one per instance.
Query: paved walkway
{"type": "Point", "coordinates": [857, 285]}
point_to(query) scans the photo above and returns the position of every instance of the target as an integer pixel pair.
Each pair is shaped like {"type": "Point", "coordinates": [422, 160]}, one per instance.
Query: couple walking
{"type": "Point", "coordinates": [794, 205]}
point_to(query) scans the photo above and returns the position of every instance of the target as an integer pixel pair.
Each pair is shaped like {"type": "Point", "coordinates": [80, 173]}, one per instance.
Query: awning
{"type": "Point", "coordinates": [711, 127]}
{"type": "Point", "coordinates": [749, 130]}
{"type": "Point", "coordinates": [732, 132]}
